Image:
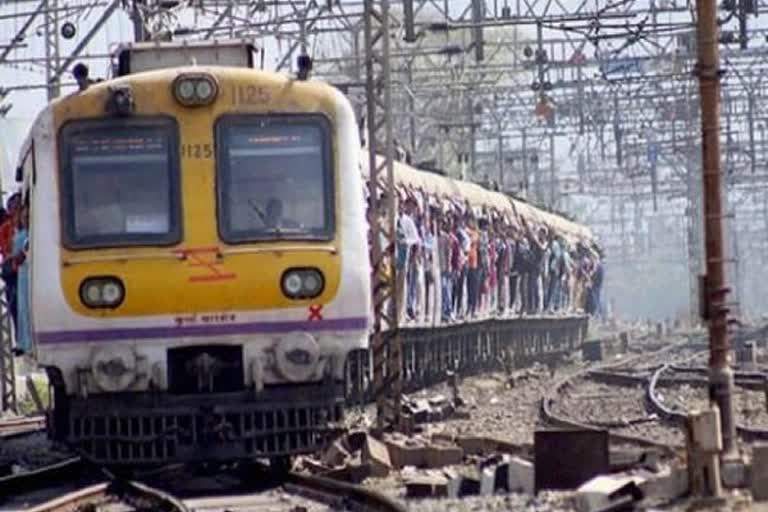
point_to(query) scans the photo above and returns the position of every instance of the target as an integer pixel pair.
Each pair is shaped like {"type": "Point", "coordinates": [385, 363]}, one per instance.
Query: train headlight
{"type": "Point", "coordinates": [292, 284]}
{"type": "Point", "coordinates": [203, 90]}
{"type": "Point", "coordinates": [194, 89]}
{"type": "Point", "coordinates": [102, 292]}
{"type": "Point", "coordinates": [185, 91]}
{"type": "Point", "coordinates": [302, 283]}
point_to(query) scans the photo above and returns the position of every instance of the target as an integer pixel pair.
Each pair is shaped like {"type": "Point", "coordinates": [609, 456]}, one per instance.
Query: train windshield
{"type": "Point", "coordinates": [120, 182]}
{"type": "Point", "coordinates": [275, 178]}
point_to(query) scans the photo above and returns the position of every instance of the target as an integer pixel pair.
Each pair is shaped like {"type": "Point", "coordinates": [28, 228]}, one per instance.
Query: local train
{"type": "Point", "coordinates": [199, 264]}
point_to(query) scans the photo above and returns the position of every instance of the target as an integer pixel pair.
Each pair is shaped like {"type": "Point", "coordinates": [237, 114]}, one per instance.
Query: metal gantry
{"type": "Point", "coordinates": [386, 346]}
{"type": "Point", "coordinates": [494, 91]}
{"type": "Point", "coordinates": [8, 397]}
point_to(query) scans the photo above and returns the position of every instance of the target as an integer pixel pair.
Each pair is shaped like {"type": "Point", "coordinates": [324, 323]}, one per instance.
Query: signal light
{"type": "Point", "coordinates": [68, 30]}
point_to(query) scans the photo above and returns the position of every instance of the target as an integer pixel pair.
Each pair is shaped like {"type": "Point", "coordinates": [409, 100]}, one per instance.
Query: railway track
{"type": "Point", "coordinates": [553, 415]}
{"type": "Point", "coordinates": [18, 427]}
{"type": "Point", "coordinates": [76, 485]}
{"type": "Point", "coordinates": [640, 394]}
{"type": "Point", "coordinates": [630, 422]}
{"type": "Point", "coordinates": [677, 415]}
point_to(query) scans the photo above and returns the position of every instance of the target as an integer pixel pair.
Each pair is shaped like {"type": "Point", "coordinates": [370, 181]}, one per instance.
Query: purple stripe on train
{"type": "Point", "coordinates": [332, 324]}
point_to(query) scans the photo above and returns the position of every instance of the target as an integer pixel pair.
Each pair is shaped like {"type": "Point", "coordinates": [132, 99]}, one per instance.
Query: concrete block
{"type": "Point", "coordinates": [759, 472]}
{"type": "Point", "coordinates": [488, 481]}
{"type": "Point", "coordinates": [354, 441]}
{"type": "Point", "coordinates": [624, 340]}
{"type": "Point", "coordinates": [335, 455]}
{"type": "Point", "coordinates": [438, 401]}
{"type": "Point", "coordinates": [402, 453]}
{"type": "Point", "coordinates": [733, 473]}
{"type": "Point", "coordinates": [501, 483]}
{"type": "Point", "coordinates": [592, 350]}
{"type": "Point", "coordinates": [668, 485]}
{"type": "Point", "coordinates": [313, 466]}
{"type": "Point", "coordinates": [705, 430]}
{"type": "Point", "coordinates": [438, 456]}
{"type": "Point", "coordinates": [521, 476]}
{"type": "Point", "coordinates": [502, 446]}
{"type": "Point", "coordinates": [472, 445]}
{"type": "Point", "coordinates": [377, 455]}
{"type": "Point", "coordinates": [603, 490]}
{"type": "Point", "coordinates": [454, 482]}
{"type": "Point", "coordinates": [354, 471]}
{"type": "Point", "coordinates": [420, 410]}
{"type": "Point", "coordinates": [494, 474]}
{"type": "Point", "coordinates": [468, 486]}
{"type": "Point", "coordinates": [746, 356]}
{"type": "Point", "coordinates": [432, 485]}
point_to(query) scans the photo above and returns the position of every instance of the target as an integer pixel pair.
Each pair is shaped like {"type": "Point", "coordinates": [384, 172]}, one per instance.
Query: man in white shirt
{"type": "Point", "coordinates": [408, 238]}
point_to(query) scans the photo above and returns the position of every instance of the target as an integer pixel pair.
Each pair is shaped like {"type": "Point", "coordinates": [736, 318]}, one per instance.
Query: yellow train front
{"type": "Point", "coordinates": [198, 262]}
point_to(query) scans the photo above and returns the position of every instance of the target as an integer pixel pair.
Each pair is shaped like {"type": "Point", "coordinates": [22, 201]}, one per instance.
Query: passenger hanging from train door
{"type": "Point", "coordinates": [599, 276]}
{"type": "Point", "coordinates": [596, 282]}
{"type": "Point", "coordinates": [19, 257]}
{"type": "Point", "coordinates": [565, 292]}
{"type": "Point", "coordinates": [473, 281]}
{"type": "Point", "coordinates": [483, 265]}
{"type": "Point", "coordinates": [554, 262]}
{"type": "Point", "coordinates": [444, 257]}
{"type": "Point", "coordinates": [514, 272]}
{"type": "Point", "coordinates": [463, 247]}
{"type": "Point", "coordinates": [434, 275]}
{"type": "Point", "coordinates": [522, 265]}
{"type": "Point", "coordinates": [408, 240]}
{"type": "Point", "coordinates": [415, 263]}
{"type": "Point", "coordinates": [502, 264]}
{"type": "Point", "coordinates": [429, 245]}
{"type": "Point", "coordinates": [9, 272]}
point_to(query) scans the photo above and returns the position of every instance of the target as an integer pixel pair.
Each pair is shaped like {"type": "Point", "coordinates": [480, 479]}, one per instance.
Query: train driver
{"type": "Point", "coordinates": [274, 218]}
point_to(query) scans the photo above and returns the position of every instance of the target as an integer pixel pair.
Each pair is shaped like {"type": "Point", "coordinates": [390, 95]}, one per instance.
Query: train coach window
{"type": "Point", "coordinates": [275, 178]}
{"type": "Point", "coordinates": [120, 182]}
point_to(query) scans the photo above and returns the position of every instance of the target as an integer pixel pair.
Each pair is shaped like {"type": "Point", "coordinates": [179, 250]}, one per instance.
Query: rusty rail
{"type": "Point", "coordinates": [21, 426]}
{"type": "Point", "coordinates": [145, 497]}
{"type": "Point", "coordinates": [355, 497]}
{"type": "Point", "coordinates": [41, 478]}
{"type": "Point", "coordinates": [125, 491]}
{"type": "Point", "coordinates": [551, 396]}
{"type": "Point", "coordinates": [745, 432]}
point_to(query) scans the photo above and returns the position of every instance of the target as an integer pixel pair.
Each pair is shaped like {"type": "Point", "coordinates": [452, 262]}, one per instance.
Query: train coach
{"type": "Point", "coordinates": [198, 260]}
{"type": "Point", "coordinates": [197, 240]}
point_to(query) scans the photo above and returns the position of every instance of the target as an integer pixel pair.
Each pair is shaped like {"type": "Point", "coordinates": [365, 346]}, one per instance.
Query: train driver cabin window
{"type": "Point", "coordinates": [120, 182]}
{"type": "Point", "coordinates": [275, 178]}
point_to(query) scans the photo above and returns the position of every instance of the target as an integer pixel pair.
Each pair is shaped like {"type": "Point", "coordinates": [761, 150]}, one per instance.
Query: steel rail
{"type": "Point", "coordinates": [552, 394]}
{"type": "Point", "coordinates": [145, 497]}
{"type": "Point", "coordinates": [132, 492]}
{"type": "Point", "coordinates": [11, 429]}
{"type": "Point", "coordinates": [745, 432]}
{"type": "Point", "coordinates": [355, 497]}
{"type": "Point", "coordinates": [746, 381]}
{"type": "Point", "coordinates": [41, 478]}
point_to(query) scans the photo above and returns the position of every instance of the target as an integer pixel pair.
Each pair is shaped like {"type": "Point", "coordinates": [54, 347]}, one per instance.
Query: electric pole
{"type": "Point", "coordinates": [715, 309]}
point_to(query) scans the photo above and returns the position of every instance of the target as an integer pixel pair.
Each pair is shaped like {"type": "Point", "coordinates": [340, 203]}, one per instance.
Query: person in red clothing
{"type": "Point", "coordinates": [9, 267]}
{"type": "Point", "coordinates": [8, 225]}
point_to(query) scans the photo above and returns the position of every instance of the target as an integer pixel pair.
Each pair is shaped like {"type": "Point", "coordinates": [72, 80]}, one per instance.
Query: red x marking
{"type": "Point", "coordinates": [315, 312]}
{"type": "Point", "coordinates": [205, 257]}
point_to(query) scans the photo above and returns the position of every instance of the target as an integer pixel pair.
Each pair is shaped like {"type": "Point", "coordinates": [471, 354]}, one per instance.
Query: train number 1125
{"type": "Point", "coordinates": [197, 151]}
